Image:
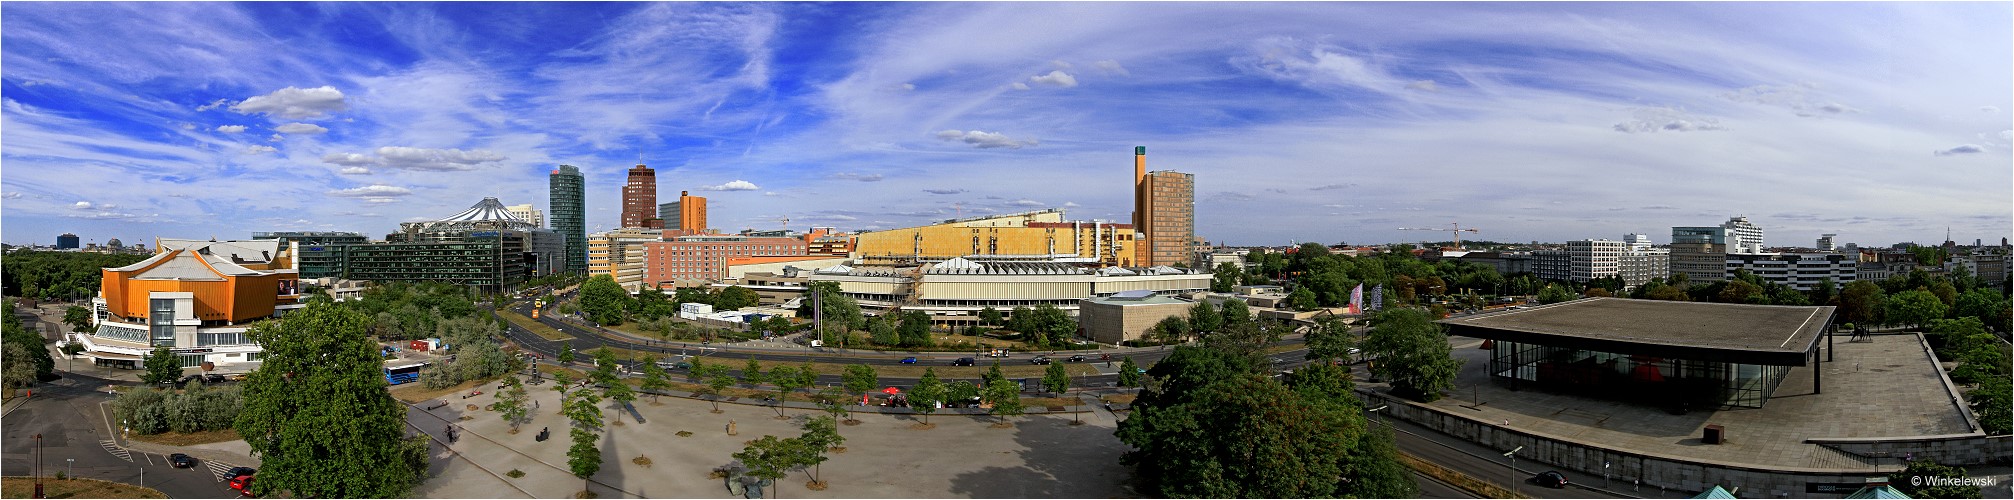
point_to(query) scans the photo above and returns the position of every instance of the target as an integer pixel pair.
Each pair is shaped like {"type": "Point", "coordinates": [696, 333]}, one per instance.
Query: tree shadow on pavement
{"type": "Point", "coordinates": [1059, 460]}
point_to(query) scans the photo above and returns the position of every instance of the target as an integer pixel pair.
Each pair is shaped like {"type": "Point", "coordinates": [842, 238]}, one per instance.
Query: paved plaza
{"type": "Point", "coordinates": [1883, 388]}
{"type": "Point", "coordinates": [1040, 457]}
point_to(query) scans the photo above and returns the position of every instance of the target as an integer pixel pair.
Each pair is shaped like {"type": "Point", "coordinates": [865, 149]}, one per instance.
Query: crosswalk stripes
{"type": "Point", "coordinates": [218, 469]}
{"type": "Point", "coordinates": [113, 448]}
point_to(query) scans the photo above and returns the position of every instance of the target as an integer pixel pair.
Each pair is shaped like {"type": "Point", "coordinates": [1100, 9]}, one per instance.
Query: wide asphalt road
{"type": "Point", "coordinates": [75, 437]}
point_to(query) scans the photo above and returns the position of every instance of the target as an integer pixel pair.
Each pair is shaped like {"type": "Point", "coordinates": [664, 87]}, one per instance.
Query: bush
{"type": "Point", "coordinates": [154, 411]}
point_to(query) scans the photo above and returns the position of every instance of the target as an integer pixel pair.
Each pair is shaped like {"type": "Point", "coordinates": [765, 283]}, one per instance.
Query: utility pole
{"type": "Point", "coordinates": [1513, 470]}
{"type": "Point", "coordinates": [38, 468]}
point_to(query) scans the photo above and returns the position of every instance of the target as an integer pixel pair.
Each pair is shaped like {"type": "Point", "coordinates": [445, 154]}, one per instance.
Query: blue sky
{"type": "Point", "coordinates": [1329, 122]}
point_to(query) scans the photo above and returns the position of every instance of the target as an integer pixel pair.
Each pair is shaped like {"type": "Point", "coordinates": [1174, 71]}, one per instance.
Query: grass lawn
{"type": "Point", "coordinates": [186, 439]}
{"type": "Point", "coordinates": [529, 324]}
{"type": "Point", "coordinates": [24, 487]}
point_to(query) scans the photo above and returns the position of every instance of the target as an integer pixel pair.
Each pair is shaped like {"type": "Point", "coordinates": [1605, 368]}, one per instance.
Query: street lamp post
{"type": "Point", "coordinates": [1380, 416]}
{"type": "Point", "coordinates": [1513, 469]}
{"type": "Point", "coordinates": [73, 468]}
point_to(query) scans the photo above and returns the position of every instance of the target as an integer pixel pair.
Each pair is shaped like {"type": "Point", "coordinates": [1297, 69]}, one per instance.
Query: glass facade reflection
{"type": "Point", "coordinates": [1650, 379]}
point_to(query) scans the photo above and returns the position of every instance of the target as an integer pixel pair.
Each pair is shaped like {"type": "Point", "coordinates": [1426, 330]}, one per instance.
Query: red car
{"type": "Point", "coordinates": [242, 483]}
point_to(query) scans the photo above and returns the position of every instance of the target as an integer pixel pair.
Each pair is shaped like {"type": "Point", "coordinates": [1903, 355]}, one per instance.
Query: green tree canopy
{"type": "Point", "coordinates": [735, 297]}
{"type": "Point", "coordinates": [318, 414]}
{"type": "Point", "coordinates": [1330, 339]}
{"type": "Point", "coordinates": [1204, 318]}
{"type": "Point", "coordinates": [604, 301]}
{"type": "Point", "coordinates": [1553, 294]}
{"type": "Point", "coordinates": [79, 319]}
{"type": "Point", "coordinates": [1302, 299]}
{"type": "Point", "coordinates": [1860, 302]}
{"type": "Point", "coordinates": [1225, 277]}
{"type": "Point", "coordinates": [751, 373]}
{"type": "Point", "coordinates": [1129, 373]}
{"type": "Point", "coordinates": [1056, 379]}
{"type": "Point", "coordinates": [1170, 330]}
{"type": "Point", "coordinates": [1993, 405]}
{"type": "Point", "coordinates": [655, 380]}
{"type": "Point", "coordinates": [162, 367]}
{"type": "Point", "coordinates": [1914, 307]}
{"type": "Point", "coordinates": [38, 361]}
{"type": "Point", "coordinates": [1919, 469]}
{"type": "Point", "coordinates": [1236, 312]}
{"type": "Point", "coordinates": [1246, 436]}
{"type": "Point", "coordinates": [1413, 353]}
{"type": "Point", "coordinates": [860, 378]}
{"type": "Point", "coordinates": [989, 316]}
{"type": "Point", "coordinates": [1005, 396]}
{"type": "Point", "coordinates": [929, 391]}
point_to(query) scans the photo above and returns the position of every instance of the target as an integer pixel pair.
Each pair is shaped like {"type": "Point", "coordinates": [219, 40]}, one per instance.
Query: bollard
{"type": "Point", "coordinates": [730, 428]}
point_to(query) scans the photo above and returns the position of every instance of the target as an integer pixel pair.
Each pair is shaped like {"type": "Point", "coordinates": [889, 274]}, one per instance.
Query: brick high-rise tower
{"type": "Point", "coordinates": [1164, 213]}
{"type": "Point", "coordinates": [639, 198]}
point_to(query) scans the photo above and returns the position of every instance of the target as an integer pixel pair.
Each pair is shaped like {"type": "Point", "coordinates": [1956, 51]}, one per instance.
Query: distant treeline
{"type": "Point", "coordinates": [57, 275]}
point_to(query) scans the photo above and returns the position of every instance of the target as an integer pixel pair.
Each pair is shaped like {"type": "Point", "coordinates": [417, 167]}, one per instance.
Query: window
{"type": "Point", "coordinates": [162, 322]}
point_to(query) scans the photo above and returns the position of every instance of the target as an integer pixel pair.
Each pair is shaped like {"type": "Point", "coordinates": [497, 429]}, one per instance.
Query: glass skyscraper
{"type": "Point", "coordinates": [569, 214]}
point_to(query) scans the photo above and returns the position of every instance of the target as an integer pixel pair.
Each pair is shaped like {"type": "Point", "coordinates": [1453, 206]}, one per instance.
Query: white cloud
{"type": "Point", "coordinates": [380, 200]}
{"type": "Point", "coordinates": [908, 86]}
{"type": "Point", "coordinates": [1071, 204]}
{"type": "Point", "coordinates": [354, 171]}
{"type": "Point", "coordinates": [11, 195]}
{"type": "Point", "coordinates": [1020, 86]}
{"type": "Point", "coordinates": [857, 177]}
{"type": "Point", "coordinates": [276, 138]}
{"type": "Point", "coordinates": [1111, 67]}
{"type": "Point", "coordinates": [1425, 85]}
{"type": "Point", "coordinates": [379, 191]}
{"type": "Point", "coordinates": [1798, 98]}
{"type": "Point", "coordinates": [736, 185]}
{"type": "Point", "coordinates": [300, 128]}
{"type": "Point", "coordinates": [82, 205]}
{"type": "Point", "coordinates": [349, 159]}
{"type": "Point", "coordinates": [944, 191]}
{"type": "Point", "coordinates": [1651, 120]}
{"type": "Point", "coordinates": [1056, 77]}
{"type": "Point", "coordinates": [1026, 203]}
{"type": "Point", "coordinates": [214, 105]}
{"type": "Point", "coordinates": [1962, 149]}
{"type": "Point", "coordinates": [230, 129]}
{"type": "Point", "coordinates": [434, 159]}
{"type": "Point", "coordinates": [1989, 109]}
{"type": "Point", "coordinates": [259, 149]}
{"type": "Point", "coordinates": [294, 103]}
{"type": "Point", "coordinates": [984, 140]}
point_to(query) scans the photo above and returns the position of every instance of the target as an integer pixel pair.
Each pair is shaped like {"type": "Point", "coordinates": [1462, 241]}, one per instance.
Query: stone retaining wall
{"type": "Point", "coordinates": [1654, 470]}
{"type": "Point", "coordinates": [1955, 449]}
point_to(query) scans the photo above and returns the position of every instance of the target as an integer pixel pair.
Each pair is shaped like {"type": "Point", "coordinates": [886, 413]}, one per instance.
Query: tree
{"type": "Point", "coordinates": [883, 333]}
{"type": "Point", "coordinates": [717, 379]}
{"type": "Point", "coordinates": [1665, 292]}
{"type": "Point", "coordinates": [79, 319]}
{"type": "Point", "coordinates": [1738, 292]}
{"type": "Point", "coordinates": [735, 297]}
{"type": "Point", "coordinates": [584, 457]}
{"type": "Point", "coordinates": [20, 369]}
{"type": "Point", "coordinates": [1303, 300]}
{"type": "Point", "coordinates": [28, 341]}
{"type": "Point", "coordinates": [960, 392]}
{"type": "Point", "coordinates": [927, 394]}
{"type": "Point", "coordinates": [1006, 398]}
{"type": "Point", "coordinates": [1910, 481]}
{"type": "Point", "coordinates": [914, 330]}
{"type": "Point", "coordinates": [1245, 436]}
{"type": "Point", "coordinates": [1993, 404]}
{"type": "Point", "coordinates": [1056, 379]}
{"type": "Point", "coordinates": [1411, 351]}
{"type": "Point", "coordinates": [1860, 302]}
{"type": "Point", "coordinates": [1020, 320]}
{"type": "Point", "coordinates": [992, 374]}
{"type": "Point", "coordinates": [318, 415]}
{"type": "Point", "coordinates": [821, 435]}
{"type": "Point", "coordinates": [1226, 277]}
{"type": "Point", "coordinates": [859, 378]}
{"type": "Point", "coordinates": [510, 403]}
{"type": "Point", "coordinates": [1204, 318]}
{"type": "Point", "coordinates": [1914, 307]}
{"type": "Point", "coordinates": [771, 457]}
{"type": "Point", "coordinates": [162, 367]}
{"type": "Point", "coordinates": [989, 316]}
{"type": "Point", "coordinates": [619, 392]}
{"type": "Point", "coordinates": [566, 354]}
{"type": "Point", "coordinates": [654, 378]}
{"type": "Point", "coordinates": [1553, 294]}
{"type": "Point", "coordinates": [1171, 330]}
{"type": "Point", "coordinates": [1129, 373]}
{"type": "Point", "coordinates": [1330, 339]}
{"type": "Point", "coordinates": [604, 367]}
{"type": "Point", "coordinates": [1236, 313]}
{"type": "Point", "coordinates": [603, 300]}
{"type": "Point", "coordinates": [751, 373]}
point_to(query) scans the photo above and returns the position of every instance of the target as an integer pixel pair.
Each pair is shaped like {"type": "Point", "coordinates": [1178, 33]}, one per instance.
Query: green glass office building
{"type": "Point", "coordinates": [569, 214]}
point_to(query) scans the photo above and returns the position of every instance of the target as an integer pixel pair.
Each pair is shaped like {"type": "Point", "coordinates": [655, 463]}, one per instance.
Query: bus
{"type": "Point", "coordinates": [403, 372]}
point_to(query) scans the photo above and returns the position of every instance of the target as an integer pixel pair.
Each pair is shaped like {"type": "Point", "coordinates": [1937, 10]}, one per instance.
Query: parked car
{"type": "Point", "coordinates": [240, 471]}
{"type": "Point", "coordinates": [909, 360]}
{"type": "Point", "coordinates": [181, 461]}
{"type": "Point", "coordinates": [1550, 479]}
{"type": "Point", "coordinates": [962, 362]}
{"type": "Point", "coordinates": [242, 483]}
{"type": "Point", "coordinates": [1039, 360]}
{"type": "Point", "coordinates": [1077, 359]}
{"type": "Point", "coordinates": [213, 378]}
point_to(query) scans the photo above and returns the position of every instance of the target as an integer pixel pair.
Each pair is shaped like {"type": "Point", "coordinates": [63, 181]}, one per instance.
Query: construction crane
{"type": "Point", "coordinates": [786, 222]}
{"type": "Point", "coordinates": [1456, 229]}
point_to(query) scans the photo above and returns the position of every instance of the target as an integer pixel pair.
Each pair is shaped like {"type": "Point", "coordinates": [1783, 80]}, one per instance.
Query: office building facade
{"type": "Point", "coordinates": [1742, 236]}
{"type": "Point", "coordinates": [1802, 271]}
{"type": "Point", "coordinates": [620, 255]}
{"type": "Point", "coordinates": [639, 199]}
{"type": "Point", "coordinates": [704, 258]}
{"type": "Point", "coordinates": [196, 298]}
{"type": "Point", "coordinates": [688, 213]}
{"type": "Point", "coordinates": [567, 197]}
{"type": "Point", "coordinates": [66, 241]}
{"type": "Point", "coordinates": [1041, 233]}
{"type": "Point", "coordinates": [1699, 253]}
{"type": "Point", "coordinates": [528, 213]}
{"type": "Point", "coordinates": [1164, 213]}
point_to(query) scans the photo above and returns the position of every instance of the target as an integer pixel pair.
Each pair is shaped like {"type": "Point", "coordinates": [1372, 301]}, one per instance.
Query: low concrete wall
{"type": "Point", "coordinates": [1654, 470]}
{"type": "Point", "coordinates": [1955, 449]}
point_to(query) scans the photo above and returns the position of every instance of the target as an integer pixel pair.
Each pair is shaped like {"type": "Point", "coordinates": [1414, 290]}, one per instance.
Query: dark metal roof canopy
{"type": "Point", "coordinates": [1729, 333]}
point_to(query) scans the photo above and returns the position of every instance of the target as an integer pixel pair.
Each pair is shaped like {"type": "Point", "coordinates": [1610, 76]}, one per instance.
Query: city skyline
{"type": "Point", "coordinates": [1880, 122]}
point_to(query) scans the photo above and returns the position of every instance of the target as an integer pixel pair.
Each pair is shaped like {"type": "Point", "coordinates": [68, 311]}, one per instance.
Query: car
{"type": "Point", "coordinates": [909, 360]}
{"type": "Point", "coordinates": [213, 378]}
{"type": "Point", "coordinates": [240, 471]}
{"type": "Point", "coordinates": [187, 379]}
{"type": "Point", "coordinates": [1039, 360]}
{"type": "Point", "coordinates": [1550, 479]}
{"type": "Point", "coordinates": [242, 483]}
{"type": "Point", "coordinates": [962, 362]}
{"type": "Point", "coordinates": [1077, 359]}
{"type": "Point", "coordinates": [181, 461]}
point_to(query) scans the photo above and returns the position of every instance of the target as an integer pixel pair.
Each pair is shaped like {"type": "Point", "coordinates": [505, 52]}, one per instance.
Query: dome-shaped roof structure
{"type": "Point", "coordinates": [486, 214]}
